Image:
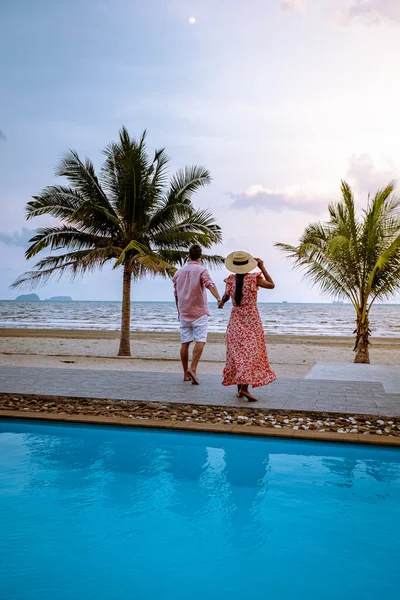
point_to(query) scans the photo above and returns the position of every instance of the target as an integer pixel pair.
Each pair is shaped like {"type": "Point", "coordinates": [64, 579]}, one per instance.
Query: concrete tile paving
{"type": "Point", "coordinates": [285, 393]}
{"type": "Point", "coordinates": [387, 375]}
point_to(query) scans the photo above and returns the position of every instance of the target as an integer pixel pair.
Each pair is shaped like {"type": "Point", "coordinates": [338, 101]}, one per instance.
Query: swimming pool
{"type": "Point", "coordinates": [107, 513]}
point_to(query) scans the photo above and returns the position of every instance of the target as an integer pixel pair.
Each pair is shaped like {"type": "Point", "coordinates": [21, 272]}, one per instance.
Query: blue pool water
{"type": "Point", "coordinates": [108, 514]}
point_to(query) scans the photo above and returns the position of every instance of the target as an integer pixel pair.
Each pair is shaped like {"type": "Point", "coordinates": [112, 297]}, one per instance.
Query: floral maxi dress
{"type": "Point", "coordinates": [246, 351]}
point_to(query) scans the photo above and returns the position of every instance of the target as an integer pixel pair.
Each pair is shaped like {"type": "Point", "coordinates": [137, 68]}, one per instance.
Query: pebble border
{"type": "Point", "coordinates": [257, 421]}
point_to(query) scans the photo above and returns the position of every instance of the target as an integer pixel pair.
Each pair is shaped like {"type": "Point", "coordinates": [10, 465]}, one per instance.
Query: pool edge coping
{"type": "Point", "coordinates": [354, 438]}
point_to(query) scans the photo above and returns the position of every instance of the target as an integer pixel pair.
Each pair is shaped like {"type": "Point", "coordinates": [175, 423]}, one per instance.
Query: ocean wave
{"type": "Point", "coordinates": [290, 319]}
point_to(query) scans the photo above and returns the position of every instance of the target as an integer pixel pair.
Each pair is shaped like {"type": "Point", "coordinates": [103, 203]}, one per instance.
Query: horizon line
{"type": "Point", "coordinates": [49, 300]}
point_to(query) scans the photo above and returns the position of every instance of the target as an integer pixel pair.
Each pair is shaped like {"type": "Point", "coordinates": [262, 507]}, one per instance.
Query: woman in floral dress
{"type": "Point", "coordinates": [246, 352]}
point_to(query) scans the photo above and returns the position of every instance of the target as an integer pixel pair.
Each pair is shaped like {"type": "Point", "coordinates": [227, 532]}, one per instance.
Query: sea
{"type": "Point", "coordinates": [277, 318]}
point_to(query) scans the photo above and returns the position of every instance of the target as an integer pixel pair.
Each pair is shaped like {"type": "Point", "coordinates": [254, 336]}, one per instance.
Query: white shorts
{"type": "Point", "coordinates": [194, 330]}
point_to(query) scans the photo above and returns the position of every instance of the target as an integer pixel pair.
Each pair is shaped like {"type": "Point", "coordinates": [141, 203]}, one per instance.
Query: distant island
{"type": "Point", "coordinates": [28, 298]}
{"type": "Point", "coordinates": [35, 298]}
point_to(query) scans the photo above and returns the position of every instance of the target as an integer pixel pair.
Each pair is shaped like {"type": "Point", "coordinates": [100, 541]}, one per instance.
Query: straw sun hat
{"type": "Point", "coordinates": [240, 262]}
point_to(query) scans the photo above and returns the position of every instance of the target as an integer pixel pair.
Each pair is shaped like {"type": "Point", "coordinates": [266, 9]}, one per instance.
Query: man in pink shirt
{"type": "Point", "coordinates": [190, 284]}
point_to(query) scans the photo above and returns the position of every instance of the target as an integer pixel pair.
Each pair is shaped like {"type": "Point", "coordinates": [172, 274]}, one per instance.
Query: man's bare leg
{"type": "Point", "coordinates": [197, 352]}
{"type": "Point", "coordinates": [185, 360]}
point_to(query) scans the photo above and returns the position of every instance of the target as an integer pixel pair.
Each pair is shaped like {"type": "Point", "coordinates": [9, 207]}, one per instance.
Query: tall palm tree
{"type": "Point", "coordinates": [129, 214]}
{"type": "Point", "coordinates": [354, 258]}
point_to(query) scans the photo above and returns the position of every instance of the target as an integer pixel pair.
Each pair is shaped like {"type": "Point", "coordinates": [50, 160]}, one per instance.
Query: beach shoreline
{"type": "Point", "coordinates": [289, 355]}
{"type": "Point", "coordinates": [169, 337]}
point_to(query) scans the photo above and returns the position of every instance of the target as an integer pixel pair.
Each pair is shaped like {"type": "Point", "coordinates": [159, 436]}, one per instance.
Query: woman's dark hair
{"type": "Point", "coordinates": [239, 289]}
{"type": "Point", "coordinates": [195, 252]}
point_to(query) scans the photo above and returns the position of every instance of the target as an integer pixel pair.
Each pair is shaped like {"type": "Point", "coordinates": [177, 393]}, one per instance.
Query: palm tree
{"type": "Point", "coordinates": [129, 215]}
{"type": "Point", "coordinates": [354, 258]}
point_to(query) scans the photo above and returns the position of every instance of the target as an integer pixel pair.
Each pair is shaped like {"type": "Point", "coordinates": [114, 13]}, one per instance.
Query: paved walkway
{"type": "Point", "coordinates": [388, 376]}
{"type": "Point", "coordinates": [286, 393]}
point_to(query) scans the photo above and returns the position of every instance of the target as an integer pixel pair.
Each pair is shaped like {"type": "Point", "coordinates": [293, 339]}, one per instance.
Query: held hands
{"type": "Point", "coordinates": [221, 304]}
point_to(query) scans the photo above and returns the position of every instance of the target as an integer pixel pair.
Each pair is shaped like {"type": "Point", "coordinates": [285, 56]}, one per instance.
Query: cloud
{"type": "Point", "coordinates": [371, 11]}
{"type": "Point", "coordinates": [297, 6]}
{"type": "Point", "coordinates": [310, 198]}
{"type": "Point", "coordinates": [363, 174]}
{"type": "Point", "coordinates": [345, 12]}
{"type": "Point", "coordinates": [17, 238]}
{"type": "Point", "coordinates": [366, 11]}
{"type": "Point", "coordinates": [367, 177]}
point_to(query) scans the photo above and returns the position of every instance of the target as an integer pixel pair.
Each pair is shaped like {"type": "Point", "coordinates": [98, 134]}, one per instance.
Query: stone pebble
{"type": "Point", "coordinates": [354, 424]}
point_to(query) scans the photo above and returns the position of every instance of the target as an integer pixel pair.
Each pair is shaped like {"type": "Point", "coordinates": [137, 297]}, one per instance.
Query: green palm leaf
{"type": "Point", "coordinates": [57, 201]}
{"type": "Point", "coordinates": [186, 182]}
{"type": "Point", "coordinates": [176, 204]}
{"type": "Point", "coordinates": [72, 263]}
{"type": "Point", "coordinates": [62, 237]}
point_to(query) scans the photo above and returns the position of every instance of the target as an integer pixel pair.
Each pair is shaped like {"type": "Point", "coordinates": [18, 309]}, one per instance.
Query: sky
{"type": "Point", "coordinates": [279, 99]}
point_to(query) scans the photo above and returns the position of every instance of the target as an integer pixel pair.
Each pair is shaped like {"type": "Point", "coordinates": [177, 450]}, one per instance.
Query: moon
{"type": "Point", "coordinates": [192, 20]}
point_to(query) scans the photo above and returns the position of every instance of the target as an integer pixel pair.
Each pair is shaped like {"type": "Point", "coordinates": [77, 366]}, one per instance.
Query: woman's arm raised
{"type": "Point", "coordinates": [266, 281]}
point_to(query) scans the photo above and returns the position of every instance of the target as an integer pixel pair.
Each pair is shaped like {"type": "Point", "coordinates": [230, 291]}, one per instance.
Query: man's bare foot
{"type": "Point", "coordinates": [187, 377]}
{"type": "Point", "coordinates": [193, 377]}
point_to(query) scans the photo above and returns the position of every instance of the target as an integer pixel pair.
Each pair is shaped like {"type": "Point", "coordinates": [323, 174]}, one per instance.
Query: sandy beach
{"type": "Point", "coordinates": [290, 356]}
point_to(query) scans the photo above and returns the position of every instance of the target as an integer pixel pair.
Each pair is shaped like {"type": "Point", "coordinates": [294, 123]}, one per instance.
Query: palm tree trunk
{"type": "Point", "coordinates": [362, 340]}
{"type": "Point", "coordinates": [125, 344]}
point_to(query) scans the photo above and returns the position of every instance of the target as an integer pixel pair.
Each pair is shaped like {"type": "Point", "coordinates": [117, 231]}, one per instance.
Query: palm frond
{"type": "Point", "coordinates": [109, 173]}
{"type": "Point", "coordinates": [349, 257]}
{"type": "Point", "coordinates": [57, 201]}
{"type": "Point", "coordinates": [167, 217]}
{"type": "Point", "coordinates": [82, 176]}
{"type": "Point", "coordinates": [381, 212]}
{"type": "Point", "coordinates": [213, 260]}
{"type": "Point", "coordinates": [157, 174]}
{"type": "Point", "coordinates": [386, 284]}
{"type": "Point", "coordinates": [64, 237]}
{"type": "Point", "coordinates": [134, 247]}
{"type": "Point", "coordinates": [180, 257]}
{"type": "Point", "coordinates": [100, 220]}
{"type": "Point", "coordinates": [383, 279]}
{"type": "Point", "coordinates": [178, 201]}
{"type": "Point", "coordinates": [328, 282]}
{"type": "Point", "coordinates": [177, 238]}
{"type": "Point", "coordinates": [95, 206]}
{"type": "Point", "coordinates": [380, 229]}
{"type": "Point", "coordinates": [392, 252]}
{"type": "Point", "coordinates": [186, 182]}
{"type": "Point", "coordinates": [174, 257]}
{"type": "Point", "coordinates": [134, 201]}
{"type": "Point", "coordinates": [338, 243]}
{"type": "Point", "coordinates": [202, 222]}
{"type": "Point", "coordinates": [153, 264]}
{"type": "Point", "coordinates": [291, 251]}
{"type": "Point", "coordinates": [319, 268]}
{"type": "Point", "coordinates": [73, 263]}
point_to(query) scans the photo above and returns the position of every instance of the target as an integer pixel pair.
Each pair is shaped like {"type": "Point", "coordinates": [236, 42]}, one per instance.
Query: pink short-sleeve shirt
{"type": "Point", "coordinates": [190, 284]}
